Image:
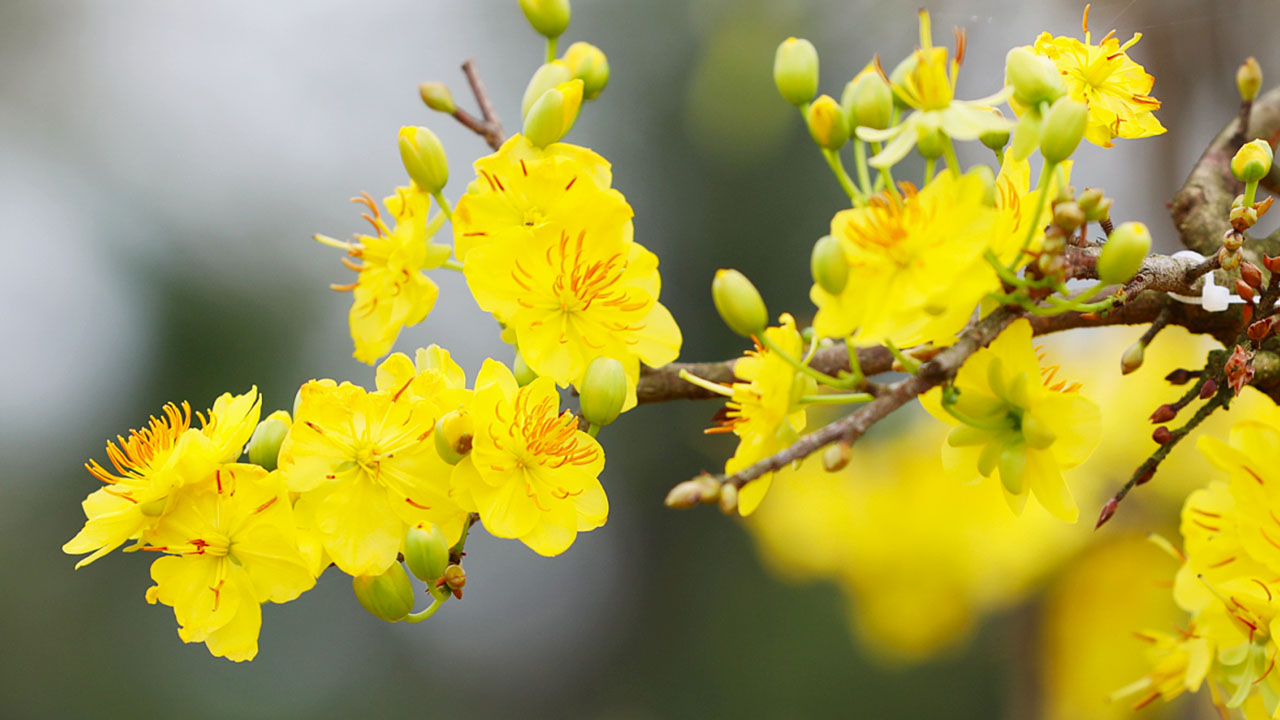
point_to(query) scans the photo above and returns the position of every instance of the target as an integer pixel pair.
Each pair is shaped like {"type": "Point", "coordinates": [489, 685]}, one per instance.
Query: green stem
{"type": "Point", "coordinates": [860, 158]}
{"type": "Point", "coordinates": [907, 363]}
{"type": "Point", "coordinates": [856, 378]}
{"type": "Point", "coordinates": [846, 183]}
{"type": "Point", "coordinates": [886, 174]}
{"type": "Point", "coordinates": [837, 399]}
{"type": "Point", "coordinates": [443, 202]}
{"type": "Point", "coordinates": [452, 264]}
{"type": "Point", "coordinates": [818, 375]}
{"type": "Point", "coordinates": [1034, 221]}
{"type": "Point", "coordinates": [593, 429]}
{"type": "Point", "coordinates": [551, 48]}
{"type": "Point", "coordinates": [929, 169]}
{"type": "Point", "coordinates": [418, 617]}
{"type": "Point", "coordinates": [949, 152]}
{"type": "Point", "coordinates": [1250, 191]}
{"type": "Point", "coordinates": [948, 404]}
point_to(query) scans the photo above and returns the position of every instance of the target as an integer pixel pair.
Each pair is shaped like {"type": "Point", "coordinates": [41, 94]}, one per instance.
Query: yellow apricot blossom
{"type": "Point", "coordinates": [229, 546]}
{"type": "Point", "coordinates": [531, 474]}
{"type": "Point", "coordinates": [155, 461]}
{"type": "Point", "coordinates": [391, 291]}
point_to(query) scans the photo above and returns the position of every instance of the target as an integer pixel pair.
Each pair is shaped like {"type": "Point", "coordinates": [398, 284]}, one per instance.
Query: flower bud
{"type": "Point", "coordinates": [549, 17]}
{"type": "Point", "coordinates": [437, 97]}
{"type": "Point", "coordinates": [1089, 199]}
{"type": "Point", "coordinates": [603, 391]}
{"type": "Point", "coordinates": [1161, 435]}
{"type": "Point", "coordinates": [546, 77]}
{"type": "Point", "coordinates": [930, 141]}
{"type": "Point", "coordinates": [1132, 358]}
{"type": "Point", "coordinates": [1251, 274]}
{"type": "Point", "coordinates": [828, 125]}
{"type": "Point", "coordinates": [995, 139]}
{"type": "Point", "coordinates": [729, 499]}
{"type": "Point", "coordinates": [739, 303]}
{"type": "Point", "coordinates": [426, 552]}
{"type": "Point", "coordinates": [1209, 389]}
{"type": "Point", "coordinates": [553, 114]}
{"type": "Point", "coordinates": [867, 101]}
{"type": "Point", "coordinates": [455, 578]}
{"type": "Point", "coordinates": [264, 445]}
{"type": "Point", "coordinates": [1063, 129]}
{"type": "Point", "coordinates": [388, 596]}
{"type": "Point", "coordinates": [1181, 376]}
{"type": "Point", "coordinates": [453, 435]}
{"type": "Point", "coordinates": [829, 266]}
{"type": "Point", "coordinates": [1122, 255]}
{"type": "Point", "coordinates": [424, 158]}
{"type": "Point", "coordinates": [524, 374]}
{"type": "Point", "coordinates": [795, 70]}
{"type": "Point", "coordinates": [1163, 414]}
{"type": "Point", "coordinates": [1249, 79]}
{"type": "Point", "coordinates": [1252, 161]}
{"type": "Point", "coordinates": [588, 64]}
{"type": "Point", "coordinates": [1035, 79]}
{"type": "Point", "coordinates": [1068, 216]}
{"type": "Point", "coordinates": [1101, 212]}
{"type": "Point", "coordinates": [836, 457]}
{"type": "Point", "coordinates": [691, 492]}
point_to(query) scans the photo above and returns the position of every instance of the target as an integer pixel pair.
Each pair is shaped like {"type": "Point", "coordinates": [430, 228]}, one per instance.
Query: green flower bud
{"type": "Point", "coordinates": [524, 374]}
{"type": "Point", "coordinates": [930, 141]}
{"type": "Point", "coordinates": [603, 391]}
{"type": "Point", "coordinates": [1124, 252]}
{"type": "Point", "coordinates": [1252, 161]}
{"type": "Point", "coordinates": [995, 139]}
{"type": "Point", "coordinates": [264, 445]}
{"type": "Point", "coordinates": [426, 552]}
{"type": "Point", "coordinates": [1249, 79]}
{"type": "Point", "coordinates": [739, 303]}
{"type": "Point", "coordinates": [424, 158]}
{"type": "Point", "coordinates": [546, 77]}
{"type": "Point", "coordinates": [1089, 200]}
{"type": "Point", "coordinates": [453, 434]}
{"type": "Point", "coordinates": [437, 97]}
{"type": "Point", "coordinates": [795, 70]}
{"type": "Point", "coordinates": [553, 114]}
{"type": "Point", "coordinates": [1035, 79]}
{"type": "Point", "coordinates": [1026, 134]}
{"type": "Point", "coordinates": [588, 64]}
{"type": "Point", "coordinates": [1068, 216]}
{"type": "Point", "coordinates": [388, 596]}
{"type": "Point", "coordinates": [828, 125]}
{"type": "Point", "coordinates": [868, 101]}
{"type": "Point", "coordinates": [549, 17]}
{"type": "Point", "coordinates": [828, 264]}
{"type": "Point", "coordinates": [1063, 129]}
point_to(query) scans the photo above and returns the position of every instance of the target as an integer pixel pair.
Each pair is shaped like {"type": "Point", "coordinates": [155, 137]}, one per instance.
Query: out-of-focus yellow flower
{"type": "Point", "coordinates": [391, 291]}
{"type": "Point", "coordinates": [155, 461]}
{"type": "Point", "coordinates": [1017, 199]}
{"type": "Point", "coordinates": [229, 546]}
{"type": "Point", "coordinates": [1018, 423]}
{"type": "Point", "coordinates": [531, 474]}
{"type": "Point", "coordinates": [1105, 78]}
{"type": "Point", "coordinates": [916, 271]}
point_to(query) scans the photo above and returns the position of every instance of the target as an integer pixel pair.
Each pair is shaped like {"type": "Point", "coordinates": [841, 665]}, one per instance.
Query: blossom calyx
{"type": "Point", "coordinates": [453, 434]}
{"type": "Point", "coordinates": [1063, 129]}
{"type": "Point", "coordinates": [1249, 79]}
{"type": "Point", "coordinates": [547, 76]}
{"type": "Point", "coordinates": [868, 101]}
{"type": "Point", "coordinates": [828, 264]}
{"type": "Point", "coordinates": [1252, 161]}
{"type": "Point", "coordinates": [603, 391]}
{"type": "Point", "coordinates": [553, 114]}
{"type": "Point", "coordinates": [264, 444]}
{"type": "Point", "coordinates": [437, 97]}
{"type": "Point", "coordinates": [590, 65]}
{"type": "Point", "coordinates": [426, 552]}
{"type": "Point", "coordinates": [795, 70]}
{"type": "Point", "coordinates": [828, 124]}
{"type": "Point", "coordinates": [424, 158]}
{"type": "Point", "coordinates": [1034, 77]}
{"type": "Point", "coordinates": [549, 17]}
{"type": "Point", "coordinates": [1122, 256]}
{"type": "Point", "coordinates": [739, 303]}
{"type": "Point", "coordinates": [388, 596]}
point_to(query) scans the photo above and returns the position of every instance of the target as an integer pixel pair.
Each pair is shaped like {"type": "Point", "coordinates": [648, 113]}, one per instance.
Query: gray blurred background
{"type": "Point", "coordinates": [163, 165]}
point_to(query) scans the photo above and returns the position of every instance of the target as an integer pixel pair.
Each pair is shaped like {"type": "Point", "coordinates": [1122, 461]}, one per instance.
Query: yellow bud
{"type": "Point", "coordinates": [795, 70]}
{"type": "Point", "coordinates": [1252, 161]}
{"type": "Point", "coordinates": [388, 596]}
{"type": "Point", "coordinates": [1132, 358]}
{"type": "Point", "coordinates": [828, 125]}
{"type": "Point", "coordinates": [549, 17]}
{"type": "Point", "coordinates": [588, 64]}
{"type": "Point", "coordinates": [424, 158]}
{"type": "Point", "coordinates": [264, 445]}
{"type": "Point", "coordinates": [1063, 129]}
{"type": "Point", "coordinates": [437, 97]}
{"type": "Point", "coordinates": [1035, 79]}
{"type": "Point", "coordinates": [426, 552]}
{"type": "Point", "coordinates": [453, 434]}
{"type": "Point", "coordinates": [1124, 252]}
{"type": "Point", "coordinates": [1249, 79]}
{"type": "Point", "coordinates": [524, 374]}
{"type": "Point", "coordinates": [455, 578]}
{"type": "Point", "coordinates": [729, 499]}
{"type": "Point", "coordinates": [868, 101]}
{"type": "Point", "coordinates": [546, 77]}
{"type": "Point", "coordinates": [553, 114]}
{"type": "Point", "coordinates": [603, 390]}
{"type": "Point", "coordinates": [829, 266]}
{"type": "Point", "coordinates": [739, 303]}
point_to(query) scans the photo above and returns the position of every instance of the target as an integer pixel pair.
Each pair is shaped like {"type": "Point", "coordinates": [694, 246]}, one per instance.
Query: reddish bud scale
{"type": "Point", "coordinates": [1244, 291]}
{"type": "Point", "coordinates": [1209, 389]}
{"type": "Point", "coordinates": [1162, 435]}
{"type": "Point", "coordinates": [1180, 376]}
{"type": "Point", "coordinates": [1271, 263]}
{"type": "Point", "coordinates": [1145, 477]}
{"type": "Point", "coordinates": [1107, 511]}
{"type": "Point", "coordinates": [1246, 312]}
{"type": "Point", "coordinates": [1164, 414]}
{"type": "Point", "coordinates": [1251, 274]}
{"type": "Point", "coordinates": [1260, 330]}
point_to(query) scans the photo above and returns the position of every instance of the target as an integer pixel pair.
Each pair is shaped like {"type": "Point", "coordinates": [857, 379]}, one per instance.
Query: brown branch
{"type": "Point", "coordinates": [487, 127]}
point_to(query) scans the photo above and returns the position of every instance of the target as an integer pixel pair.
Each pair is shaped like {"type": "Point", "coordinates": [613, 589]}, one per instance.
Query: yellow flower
{"type": "Point", "coordinates": [521, 188]}
{"type": "Point", "coordinates": [229, 546]}
{"type": "Point", "coordinates": [391, 292]}
{"type": "Point", "coordinates": [1018, 423]}
{"type": "Point", "coordinates": [1105, 78]}
{"type": "Point", "coordinates": [155, 461]}
{"type": "Point", "coordinates": [531, 474]}
{"type": "Point", "coordinates": [926, 82]}
{"type": "Point", "coordinates": [916, 267]}
{"type": "Point", "coordinates": [367, 471]}
{"type": "Point", "coordinates": [1016, 200]}
{"type": "Point", "coordinates": [576, 290]}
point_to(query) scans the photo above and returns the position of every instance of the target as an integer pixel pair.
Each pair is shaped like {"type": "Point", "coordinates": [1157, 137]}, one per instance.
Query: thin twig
{"type": "Point", "coordinates": [492, 127]}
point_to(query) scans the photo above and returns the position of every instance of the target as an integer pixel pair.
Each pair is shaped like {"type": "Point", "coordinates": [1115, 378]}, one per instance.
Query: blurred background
{"type": "Point", "coordinates": [162, 168]}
